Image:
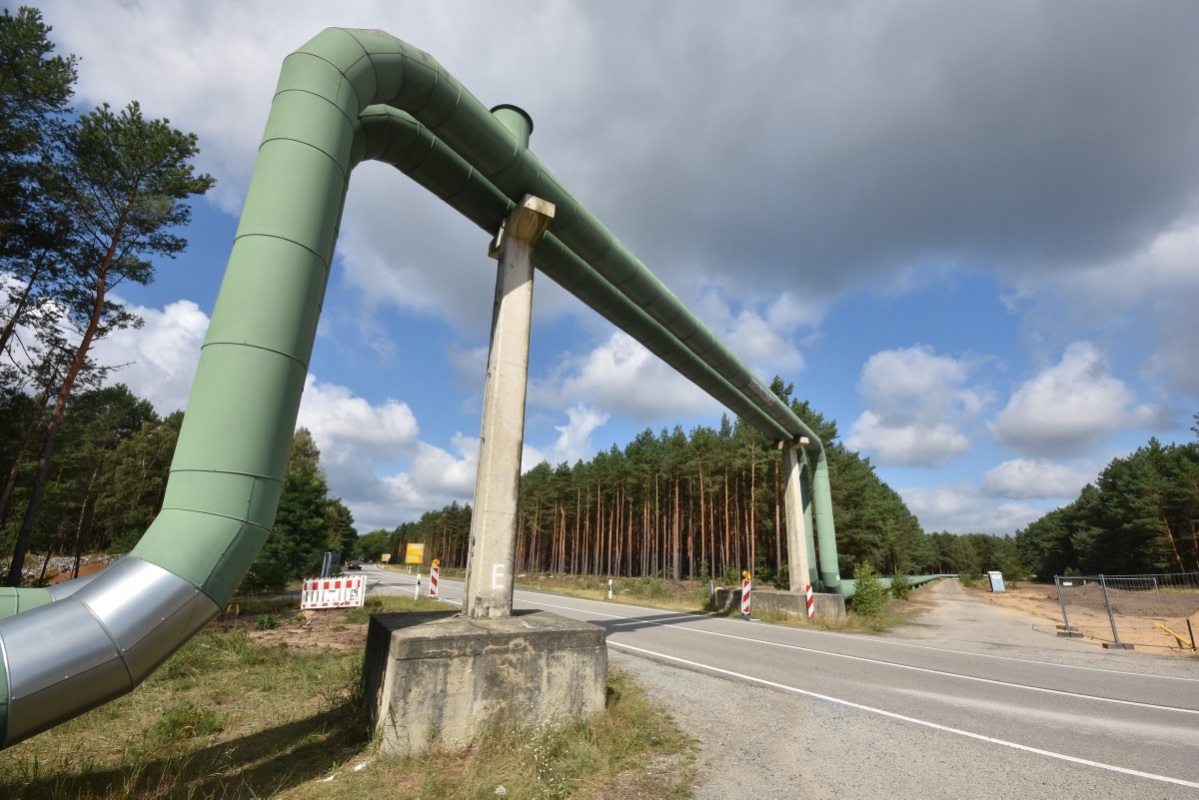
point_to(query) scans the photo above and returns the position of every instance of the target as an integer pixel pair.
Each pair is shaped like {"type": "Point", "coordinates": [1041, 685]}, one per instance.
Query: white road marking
{"type": "Point", "coordinates": [903, 718]}
{"type": "Point", "coordinates": [891, 663]}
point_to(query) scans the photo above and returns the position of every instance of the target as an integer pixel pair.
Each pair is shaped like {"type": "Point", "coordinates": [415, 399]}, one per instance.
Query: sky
{"type": "Point", "coordinates": [968, 232]}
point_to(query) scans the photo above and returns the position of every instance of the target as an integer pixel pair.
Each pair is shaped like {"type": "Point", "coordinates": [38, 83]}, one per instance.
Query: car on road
{"type": "Point", "coordinates": [355, 564]}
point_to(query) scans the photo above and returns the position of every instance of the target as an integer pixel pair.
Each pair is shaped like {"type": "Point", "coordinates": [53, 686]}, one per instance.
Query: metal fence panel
{"type": "Point", "coordinates": [1149, 611]}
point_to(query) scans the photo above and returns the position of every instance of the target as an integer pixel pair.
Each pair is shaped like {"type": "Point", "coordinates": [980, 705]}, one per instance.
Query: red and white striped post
{"type": "Point", "coordinates": [811, 603]}
{"type": "Point", "coordinates": [746, 590]}
{"type": "Point", "coordinates": [434, 572]}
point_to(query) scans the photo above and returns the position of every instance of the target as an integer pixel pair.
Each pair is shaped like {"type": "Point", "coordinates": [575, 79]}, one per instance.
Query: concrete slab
{"type": "Point", "coordinates": [827, 606]}
{"type": "Point", "coordinates": [437, 679]}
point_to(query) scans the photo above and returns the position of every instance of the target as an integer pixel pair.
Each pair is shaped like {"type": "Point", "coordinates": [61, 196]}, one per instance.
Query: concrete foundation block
{"type": "Point", "coordinates": [437, 679]}
{"type": "Point", "coordinates": [775, 601]}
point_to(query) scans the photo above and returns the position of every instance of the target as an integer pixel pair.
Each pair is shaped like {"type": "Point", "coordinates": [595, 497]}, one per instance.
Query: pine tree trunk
{"type": "Point", "coordinates": [676, 562]}
{"type": "Point", "coordinates": [10, 324]}
{"type": "Point", "coordinates": [15, 472]}
{"type": "Point", "coordinates": [38, 492]}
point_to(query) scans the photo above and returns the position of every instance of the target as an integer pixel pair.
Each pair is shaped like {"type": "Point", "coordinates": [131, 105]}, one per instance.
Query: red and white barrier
{"type": "Point", "coordinates": [811, 603]}
{"type": "Point", "coordinates": [746, 590]}
{"type": "Point", "coordinates": [342, 592]}
{"type": "Point", "coordinates": [434, 573]}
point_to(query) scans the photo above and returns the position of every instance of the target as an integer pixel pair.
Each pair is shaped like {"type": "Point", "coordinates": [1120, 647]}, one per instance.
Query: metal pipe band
{"type": "Point", "coordinates": [394, 137]}
{"type": "Point", "coordinates": [96, 644]}
{"type": "Point", "coordinates": [424, 89]}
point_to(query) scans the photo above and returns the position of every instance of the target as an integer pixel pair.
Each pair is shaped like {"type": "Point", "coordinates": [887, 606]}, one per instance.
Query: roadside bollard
{"type": "Point", "coordinates": [746, 589]}
{"type": "Point", "coordinates": [811, 603]}
{"type": "Point", "coordinates": [434, 574]}
{"type": "Point", "coordinates": [609, 588]}
{"type": "Point", "coordinates": [416, 590]}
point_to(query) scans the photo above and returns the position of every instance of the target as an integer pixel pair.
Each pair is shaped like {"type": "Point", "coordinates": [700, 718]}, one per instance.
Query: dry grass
{"type": "Point", "coordinates": [240, 712]}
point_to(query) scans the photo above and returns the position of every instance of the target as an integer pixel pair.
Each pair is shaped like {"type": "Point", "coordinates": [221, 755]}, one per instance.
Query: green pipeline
{"type": "Point", "coordinates": [396, 138]}
{"type": "Point", "coordinates": [344, 97]}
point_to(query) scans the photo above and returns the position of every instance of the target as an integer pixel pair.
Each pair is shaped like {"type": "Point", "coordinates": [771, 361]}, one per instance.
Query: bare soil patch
{"type": "Point", "coordinates": [1141, 619]}
{"type": "Point", "coordinates": [329, 630]}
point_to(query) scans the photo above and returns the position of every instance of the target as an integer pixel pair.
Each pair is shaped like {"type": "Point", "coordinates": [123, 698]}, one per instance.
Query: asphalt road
{"type": "Point", "coordinates": [957, 705]}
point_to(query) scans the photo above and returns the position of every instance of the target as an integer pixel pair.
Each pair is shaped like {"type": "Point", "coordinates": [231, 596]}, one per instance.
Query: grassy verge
{"type": "Point", "coordinates": [894, 615]}
{"type": "Point", "coordinates": [245, 710]}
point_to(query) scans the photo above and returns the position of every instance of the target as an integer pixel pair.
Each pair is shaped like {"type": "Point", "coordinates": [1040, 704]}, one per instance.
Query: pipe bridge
{"type": "Point", "coordinates": [344, 97]}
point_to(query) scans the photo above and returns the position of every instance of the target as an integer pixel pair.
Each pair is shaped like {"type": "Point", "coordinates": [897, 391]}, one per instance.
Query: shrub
{"type": "Point", "coordinates": [869, 597]}
{"type": "Point", "coordinates": [901, 586]}
{"type": "Point", "coordinates": [267, 622]}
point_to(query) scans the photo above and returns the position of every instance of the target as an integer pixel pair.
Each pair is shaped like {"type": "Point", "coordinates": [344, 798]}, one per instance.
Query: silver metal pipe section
{"type": "Point", "coordinates": [94, 645]}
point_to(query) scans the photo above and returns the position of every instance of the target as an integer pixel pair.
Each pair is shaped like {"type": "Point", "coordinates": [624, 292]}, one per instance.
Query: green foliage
{"type": "Point", "coordinates": [135, 482]}
{"type": "Point", "coordinates": [186, 720]}
{"type": "Point", "coordinates": [445, 533]}
{"type": "Point", "coordinates": [267, 622]}
{"type": "Point", "coordinates": [1138, 517]}
{"type": "Point", "coordinates": [111, 196]}
{"type": "Point", "coordinates": [870, 598]}
{"type": "Point", "coordinates": [701, 504]}
{"type": "Point", "coordinates": [901, 585]}
{"type": "Point", "coordinates": [308, 523]}
{"type": "Point", "coordinates": [373, 545]}
{"type": "Point", "coordinates": [646, 587]}
{"type": "Point", "coordinates": [964, 557]}
{"type": "Point", "coordinates": [35, 87]}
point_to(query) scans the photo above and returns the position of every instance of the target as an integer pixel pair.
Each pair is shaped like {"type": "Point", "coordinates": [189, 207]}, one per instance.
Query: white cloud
{"type": "Point", "coordinates": [438, 473]}
{"type": "Point", "coordinates": [159, 359]}
{"type": "Point", "coordinates": [433, 478]}
{"type": "Point", "coordinates": [963, 509]}
{"type": "Point", "coordinates": [761, 335]}
{"type": "Point", "coordinates": [1024, 478]}
{"type": "Point", "coordinates": [907, 445]}
{"type": "Point", "coordinates": [917, 402]}
{"type": "Point", "coordinates": [865, 166]}
{"type": "Point", "coordinates": [756, 341]}
{"type": "Point", "coordinates": [1145, 297]}
{"type": "Point", "coordinates": [1069, 407]}
{"type": "Point", "coordinates": [574, 443]}
{"type": "Point", "coordinates": [347, 427]}
{"type": "Point", "coordinates": [622, 377]}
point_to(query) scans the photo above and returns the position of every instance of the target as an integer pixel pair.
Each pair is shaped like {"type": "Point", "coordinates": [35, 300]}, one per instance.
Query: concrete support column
{"type": "Point", "coordinates": [794, 505]}
{"type": "Point", "coordinates": [492, 556]}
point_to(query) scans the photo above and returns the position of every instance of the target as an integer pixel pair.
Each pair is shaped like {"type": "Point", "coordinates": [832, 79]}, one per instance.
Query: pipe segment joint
{"type": "Point", "coordinates": [94, 645]}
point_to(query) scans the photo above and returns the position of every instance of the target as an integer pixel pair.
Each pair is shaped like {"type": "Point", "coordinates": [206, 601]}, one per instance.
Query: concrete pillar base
{"type": "Point", "coordinates": [441, 680]}
{"type": "Point", "coordinates": [774, 601]}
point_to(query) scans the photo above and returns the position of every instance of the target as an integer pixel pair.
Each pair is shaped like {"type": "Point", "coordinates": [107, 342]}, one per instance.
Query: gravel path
{"type": "Point", "coordinates": [764, 743]}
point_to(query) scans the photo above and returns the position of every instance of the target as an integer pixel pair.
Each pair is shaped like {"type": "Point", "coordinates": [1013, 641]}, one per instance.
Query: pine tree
{"type": "Point", "coordinates": [123, 181]}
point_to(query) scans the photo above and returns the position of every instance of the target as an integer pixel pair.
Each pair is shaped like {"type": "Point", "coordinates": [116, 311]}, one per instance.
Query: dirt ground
{"type": "Point", "coordinates": [330, 630]}
{"type": "Point", "coordinates": [1147, 628]}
